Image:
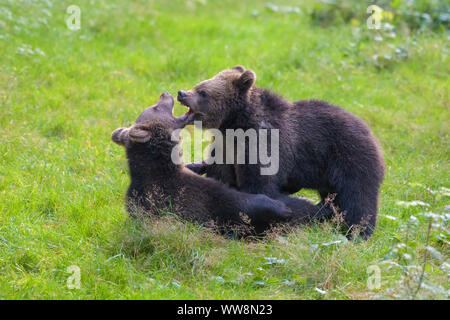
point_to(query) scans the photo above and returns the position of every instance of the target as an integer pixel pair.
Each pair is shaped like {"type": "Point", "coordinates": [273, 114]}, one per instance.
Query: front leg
{"type": "Point", "coordinates": [249, 179]}
{"type": "Point", "coordinates": [223, 173]}
{"type": "Point", "coordinates": [199, 167]}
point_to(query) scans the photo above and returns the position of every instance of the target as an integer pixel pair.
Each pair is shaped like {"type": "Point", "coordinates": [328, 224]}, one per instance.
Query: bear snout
{"type": "Point", "coordinates": [181, 95]}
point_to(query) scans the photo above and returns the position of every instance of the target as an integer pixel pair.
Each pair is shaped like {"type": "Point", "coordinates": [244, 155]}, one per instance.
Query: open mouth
{"type": "Point", "coordinates": [188, 116]}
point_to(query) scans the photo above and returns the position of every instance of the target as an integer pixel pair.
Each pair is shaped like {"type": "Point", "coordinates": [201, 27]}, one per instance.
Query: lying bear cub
{"type": "Point", "coordinates": [158, 184]}
{"type": "Point", "coordinates": [321, 146]}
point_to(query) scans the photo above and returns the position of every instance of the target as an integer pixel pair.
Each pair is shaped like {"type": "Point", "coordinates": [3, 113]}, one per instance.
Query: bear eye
{"type": "Point", "coordinates": [203, 94]}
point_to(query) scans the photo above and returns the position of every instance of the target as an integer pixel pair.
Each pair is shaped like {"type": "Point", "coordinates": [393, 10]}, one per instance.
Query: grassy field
{"type": "Point", "coordinates": [62, 180]}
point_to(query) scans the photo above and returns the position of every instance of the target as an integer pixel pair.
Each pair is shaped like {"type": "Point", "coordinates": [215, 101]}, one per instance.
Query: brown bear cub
{"type": "Point", "coordinates": [158, 183]}
{"type": "Point", "coordinates": [321, 146]}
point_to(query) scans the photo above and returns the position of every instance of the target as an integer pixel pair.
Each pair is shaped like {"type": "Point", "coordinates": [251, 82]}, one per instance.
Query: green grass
{"type": "Point", "coordinates": [62, 180]}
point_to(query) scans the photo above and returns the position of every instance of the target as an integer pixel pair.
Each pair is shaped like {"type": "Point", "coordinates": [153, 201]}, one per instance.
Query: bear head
{"type": "Point", "coordinates": [213, 100]}
{"type": "Point", "coordinates": [155, 125]}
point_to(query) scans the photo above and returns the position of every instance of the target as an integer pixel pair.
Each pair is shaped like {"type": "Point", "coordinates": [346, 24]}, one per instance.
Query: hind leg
{"type": "Point", "coordinates": [359, 203]}
{"type": "Point", "coordinates": [264, 211]}
{"type": "Point", "coordinates": [326, 199]}
{"type": "Point", "coordinates": [303, 210]}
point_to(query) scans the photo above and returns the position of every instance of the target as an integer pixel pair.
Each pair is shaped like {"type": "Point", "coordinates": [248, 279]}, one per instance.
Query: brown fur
{"type": "Point", "coordinates": [322, 146]}
{"type": "Point", "coordinates": [159, 185]}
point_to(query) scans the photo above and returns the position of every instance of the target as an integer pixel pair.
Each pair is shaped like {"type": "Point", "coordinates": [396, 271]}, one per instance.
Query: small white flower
{"type": "Point", "coordinates": [414, 203]}
{"type": "Point", "coordinates": [321, 291]}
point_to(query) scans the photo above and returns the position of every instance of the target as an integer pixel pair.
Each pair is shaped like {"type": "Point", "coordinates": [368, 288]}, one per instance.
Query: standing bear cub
{"type": "Point", "coordinates": [321, 146]}
{"type": "Point", "coordinates": [160, 182]}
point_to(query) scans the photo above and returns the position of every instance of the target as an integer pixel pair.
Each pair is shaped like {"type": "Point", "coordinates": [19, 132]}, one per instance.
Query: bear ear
{"type": "Point", "coordinates": [239, 68]}
{"type": "Point", "coordinates": [246, 80]}
{"type": "Point", "coordinates": [139, 133]}
{"type": "Point", "coordinates": [120, 136]}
